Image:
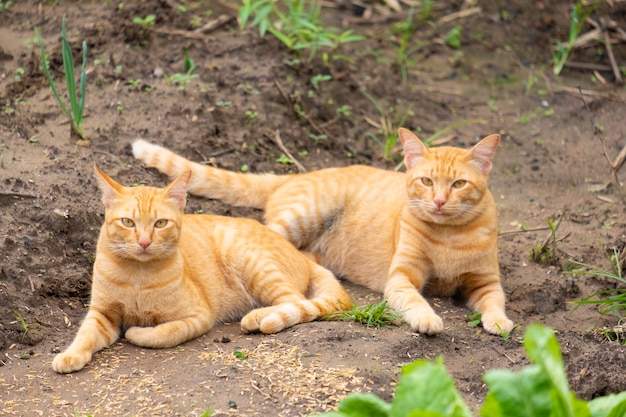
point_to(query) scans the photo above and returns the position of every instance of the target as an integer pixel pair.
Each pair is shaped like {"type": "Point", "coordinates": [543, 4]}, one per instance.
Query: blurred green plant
{"type": "Point", "coordinates": [184, 79]}
{"type": "Point", "coordinates": [402, 33]}
{"type": "Point", "coordinates": [453, 37]}
{"type": "Point", "coordinates": [76, 100]}
{"type": "Point", "coordinates": [147, 23]}
{"type": "Point", "coordinates": [578, 18]}
{"type": "Point", "coordinates": [390, 120]}
{"type": "Point", "coordinates": [296, 23]}
{"type": "Point", "coordinates": [5, 4]}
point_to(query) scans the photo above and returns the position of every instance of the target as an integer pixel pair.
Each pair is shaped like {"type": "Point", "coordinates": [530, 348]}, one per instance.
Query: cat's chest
{"type": "Point", "coordinates": [452, 255]}
{"type": "Point", "coordinates": [141, 301]}
{"type": "Point", "coordinates": [147, 307]}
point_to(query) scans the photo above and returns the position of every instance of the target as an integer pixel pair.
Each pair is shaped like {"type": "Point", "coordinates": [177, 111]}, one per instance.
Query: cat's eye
{"type": "Point", "coordinates": [160, 223]}
{"type": "Point", "coordinates": [127, 222]}
{"type": "Point", "coordinates": [427, 181]}
{"type": "Point", "coordinates": [459, 183]}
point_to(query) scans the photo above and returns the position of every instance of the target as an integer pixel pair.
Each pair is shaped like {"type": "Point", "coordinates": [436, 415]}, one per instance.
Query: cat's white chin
{"type": "Point", "coordinates": [142, 256]}
{"type": "Point", "coordinates": [439, 216]}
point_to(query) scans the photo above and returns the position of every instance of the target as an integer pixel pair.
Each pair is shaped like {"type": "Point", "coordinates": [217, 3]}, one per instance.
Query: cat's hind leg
{"type": "Point", "coordinates": [292, 307]}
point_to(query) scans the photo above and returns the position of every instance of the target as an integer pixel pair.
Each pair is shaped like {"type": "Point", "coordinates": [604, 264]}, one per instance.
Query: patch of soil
{"type": "Point", "coordinates": [549, 164]}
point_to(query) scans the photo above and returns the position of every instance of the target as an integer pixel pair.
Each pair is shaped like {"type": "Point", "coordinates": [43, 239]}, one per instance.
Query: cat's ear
{"type": "Point", "coordinates": [177, 190]}
{"type": "Point", "coordinates": [482, 153]}
{"type": "Point", "coordinates": [110, 189]}
{"type": "Point", "coordinates": [413, 147]}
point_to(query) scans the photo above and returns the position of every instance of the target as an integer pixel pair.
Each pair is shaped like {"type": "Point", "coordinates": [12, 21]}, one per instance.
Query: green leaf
{"type": "Point", "coordinates": [46, 67]}
{"type": "Point", "coordinates": [522, 394]}
{"type": "Point", "coordinates": [245, 11]}
{"type": "Point", "coordinates": [422, 413]}
{"type": "Point", "coordinates": [453, 38]}
{"type": "Point", "coordinates": [610, 406]}
{"type": "Point", "coordinates": [83, 84]}
{"type": "Point", "coordinates": [436, 389]}
{"type": "Point", "coordinates": [543, 349]}
{"type": "Point", "coordinates": [282, 37]}
{"type": "Point", "coordinates": [364, 405]}
{"type": "Point", "coordinates": [68, 66]}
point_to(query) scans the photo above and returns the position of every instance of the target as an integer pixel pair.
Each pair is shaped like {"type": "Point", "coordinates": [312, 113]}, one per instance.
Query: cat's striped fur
{"type": "Point", "coordinates": [164, 277]}
{"type": "Point", "coordinates": [433, 227]}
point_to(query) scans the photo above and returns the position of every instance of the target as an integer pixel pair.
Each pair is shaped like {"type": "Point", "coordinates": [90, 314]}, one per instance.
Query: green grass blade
{"type": "Point", "coordinates": [83, 83]}
{"type": "Point", "coordinates": [374, 102]}
{"type": "Point", "coordinates": [68, 66]}
{"type": "Point", "coordinates": [53, 87]}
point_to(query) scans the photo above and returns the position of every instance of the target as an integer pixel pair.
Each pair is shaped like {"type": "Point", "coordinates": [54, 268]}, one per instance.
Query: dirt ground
{"type": "Point", "coordinates": [549, 164]}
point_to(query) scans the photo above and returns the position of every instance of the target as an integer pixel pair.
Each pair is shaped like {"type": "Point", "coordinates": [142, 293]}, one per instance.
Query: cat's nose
{"type": "Point", "coordinates": [439, 203]}
{"type": "Point", "coordinates": [144, 244]}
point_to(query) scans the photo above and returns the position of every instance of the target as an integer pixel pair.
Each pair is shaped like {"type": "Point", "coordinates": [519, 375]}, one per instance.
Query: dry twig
{"type": "Point", "coordinates": [278, 141]}
{"type": "Point", "coordinates": [12, 194]}
{"type": "Point", "coordinates": [603, 29]}
{"type": "Point", "coordinates": [314, 125]}
{"type": "Point", "coordinates": [619, 161]}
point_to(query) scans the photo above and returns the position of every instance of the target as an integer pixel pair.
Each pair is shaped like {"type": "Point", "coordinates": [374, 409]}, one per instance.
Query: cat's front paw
{"type": "Point", "coordinates": [424, 320]}
{"type": "Point", "coordinates": [497, 324]}
{"type": "Point", "coordinates": [67, 362]}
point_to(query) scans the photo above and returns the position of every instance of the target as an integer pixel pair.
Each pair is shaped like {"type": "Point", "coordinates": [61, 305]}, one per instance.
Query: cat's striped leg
{"type": "Point", "coordinates": [407, 275]}
{"type": "Point", "coordinates": [289, 307]}
{"type": "Point", "coordinates": [171, 333]}
{"type": "Point", "coordinates": [484, 294]}
{"type": "Point", "coordinates": [273, 319]}
{"type": "Point", "coordinates": [99, 329]}
{"type": "Point", "coordinates": [403, 296]}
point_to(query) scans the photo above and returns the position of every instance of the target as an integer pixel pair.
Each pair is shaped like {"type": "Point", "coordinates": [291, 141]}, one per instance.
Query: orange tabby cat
{"type": "Point", "coordinates": [164, 277]}
{"type": "Point", "coordinates": [433, 227]}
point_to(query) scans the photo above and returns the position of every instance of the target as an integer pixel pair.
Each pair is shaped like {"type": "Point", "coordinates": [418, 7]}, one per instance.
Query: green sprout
{"type": "Point", "coordinates": [146, 23]}
{"type": "Point", "coordinates": [77, 101]}
{"type": "Point", "coordinates": [183, 80]}
{"type": "Point", "coordinates": [283, 159]}
{"type": "Point", "coordinates": [544, 252]}
{"type": "Point", "coordinates": [25, 326]}
{"type": "Point", "coordinates": [474, 319]}
{"type": "Point", "coordinates": [406, 46]}
{"type": "Point", "coordinates": [453, 38]}
{"type": "Point", "coordinates": [318, 78]}
{"type": "Point", "coordinates": [240, 354]}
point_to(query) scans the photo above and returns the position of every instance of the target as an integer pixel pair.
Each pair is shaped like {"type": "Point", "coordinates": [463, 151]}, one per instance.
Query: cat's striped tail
{"type": "Point", "coordinates": [237, 189]}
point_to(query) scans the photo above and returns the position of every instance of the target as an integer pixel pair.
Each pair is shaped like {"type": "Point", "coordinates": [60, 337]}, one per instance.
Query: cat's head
{"type": "Point", "coordinates": [446, 185]}
{"type": "Point", "coordinates": [142, 223]}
